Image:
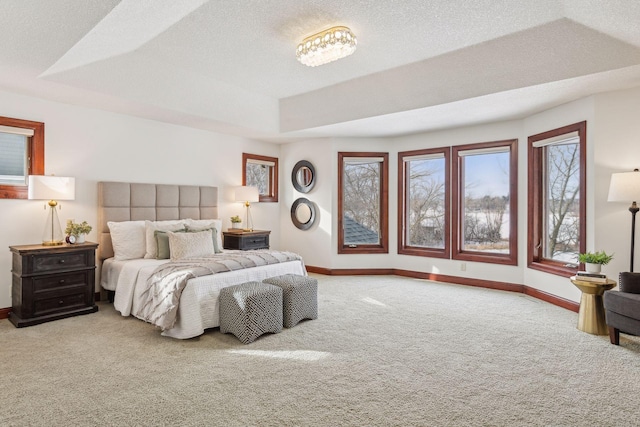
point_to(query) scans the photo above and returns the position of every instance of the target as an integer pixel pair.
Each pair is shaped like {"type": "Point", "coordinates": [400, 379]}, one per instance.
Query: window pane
{"type": "Point", "coordinates": [258, 175]}
{"type": "Point", "coordinates": [561, 202]}
{"type": "Point", "coordinates": [485, 202]}
{"type": "Point", "coordinates": [261, 172]}
{"type": "Point", "coordinates": [425, 204]}
{"type": "Point", "coordinates": [361, 202]}
{"type": "Point", "coordinates": [13, 161]}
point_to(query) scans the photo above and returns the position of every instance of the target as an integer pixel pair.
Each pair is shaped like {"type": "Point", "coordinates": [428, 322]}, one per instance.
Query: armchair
{"type": "Point", "coordinates": [622, 307]}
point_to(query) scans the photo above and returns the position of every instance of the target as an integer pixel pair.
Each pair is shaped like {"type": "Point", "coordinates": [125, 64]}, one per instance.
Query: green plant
{"type": "Point", "coordinates": [236, 219]}
{"type": "Point", "coordinates": [75, 229]}
{"type": "Point", "coordinates": [595, 258]}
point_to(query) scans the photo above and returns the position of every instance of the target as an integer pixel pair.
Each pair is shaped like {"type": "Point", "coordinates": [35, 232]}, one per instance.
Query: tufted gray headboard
{"type": "Point", "coordinates": [124, 201]}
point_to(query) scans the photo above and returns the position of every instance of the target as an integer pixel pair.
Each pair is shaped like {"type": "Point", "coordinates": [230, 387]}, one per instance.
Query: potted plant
{"type": "Point", "coordinates": [78, 231]}
{"type": "Point", "coordinates": [593, 261]}
{"type": "Point", "coordinates": [236, 222]}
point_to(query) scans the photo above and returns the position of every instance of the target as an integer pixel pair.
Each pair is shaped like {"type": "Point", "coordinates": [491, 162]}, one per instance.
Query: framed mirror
{"type": "Point", "coordinates": [303, 176]}
{"type": "Point", "coordinates": [303, 213]}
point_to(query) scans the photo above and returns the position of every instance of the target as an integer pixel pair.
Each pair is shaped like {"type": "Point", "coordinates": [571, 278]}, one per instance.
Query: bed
{"type": "Point", "coordinates": [129, 213]}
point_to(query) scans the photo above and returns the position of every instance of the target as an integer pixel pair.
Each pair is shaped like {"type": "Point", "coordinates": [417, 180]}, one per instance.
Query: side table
{"type": "Point", "coordinates": [591, 315]}
{"type": "Point", "coordinates": [246, 240]}
{"type": "Point", "coordinates": [52, 282]}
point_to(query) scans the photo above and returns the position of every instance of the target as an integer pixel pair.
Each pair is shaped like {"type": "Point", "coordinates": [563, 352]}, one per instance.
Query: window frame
{"type": "Point", "coordinates": [35, 155]}
{"type": "Point", "coordinates": [457, 177]}
{"type": "Point", "coordinates": [403, 188]}
{"type": "Point", "coordinates": [383, 246]}
{"type": "Point", "coordinates": [273, 177]}
{"type": "Point", "coordinates": [535, 260]}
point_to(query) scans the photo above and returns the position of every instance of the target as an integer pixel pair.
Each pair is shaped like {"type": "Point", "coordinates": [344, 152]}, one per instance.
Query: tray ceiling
{"type": "Point", "coordinates": [230, 67]}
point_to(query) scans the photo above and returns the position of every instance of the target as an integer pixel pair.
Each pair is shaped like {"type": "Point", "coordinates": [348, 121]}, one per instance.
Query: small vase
{"type": "Point", "coordinates": [592, 268]}
{"type": "Point", "coordinates": [80, 238]}
{"type": "Point", "coordinates": [236, 225]}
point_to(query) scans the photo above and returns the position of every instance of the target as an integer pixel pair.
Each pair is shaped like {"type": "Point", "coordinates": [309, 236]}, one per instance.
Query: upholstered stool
{"type": "Point", "coordinates": [300, 297]}
{"type": "Point", "coordinates": [250, 310]}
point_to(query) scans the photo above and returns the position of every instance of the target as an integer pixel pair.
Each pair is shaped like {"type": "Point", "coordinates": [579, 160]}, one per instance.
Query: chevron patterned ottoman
{"type": "Point", "coordinates": [300, 297]}
{"type": "Point", "coordinates": [250, 310]}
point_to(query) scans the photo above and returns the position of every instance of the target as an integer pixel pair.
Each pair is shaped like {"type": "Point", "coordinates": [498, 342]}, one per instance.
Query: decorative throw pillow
{"type": "Point", "coordinates": [214, 236]}
{"type": "Point", "coordinates": [207, 223]}
{"type": "Point", "coordinates": [162, 243]}
{"type": "Point", "coordinates": [190, 245]}
{"type": "Point", "coordinates": [128, 239]}
{"type": "Point", "coordinates": [151, 226]}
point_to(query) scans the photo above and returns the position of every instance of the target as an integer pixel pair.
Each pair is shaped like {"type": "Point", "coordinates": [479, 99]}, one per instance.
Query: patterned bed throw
{"type": "Point", "coordinates": [163, 289]}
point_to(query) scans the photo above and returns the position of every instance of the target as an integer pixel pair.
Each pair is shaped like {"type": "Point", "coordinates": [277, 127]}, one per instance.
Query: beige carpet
{"type": "Point", "coordinates": [386, 351]}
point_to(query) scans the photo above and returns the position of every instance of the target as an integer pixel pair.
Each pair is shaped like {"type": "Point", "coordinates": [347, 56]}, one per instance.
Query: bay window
{"type": "Point", "coordinates": [557, 202]}
{"type": "Point", "coordinates": [363, 202]}
{"type": "Point", "coordinates": [484, 198]}
{"type": "Point", "coordinates": [423, 202]}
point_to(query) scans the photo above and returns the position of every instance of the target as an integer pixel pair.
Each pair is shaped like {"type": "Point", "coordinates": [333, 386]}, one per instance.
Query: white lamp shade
{"type": "Point", "coordinates": [625, 187]}
{"type": "Point", "coordinates": [42, 187]}
{"type": "Point", "coordinates": [247, 194]}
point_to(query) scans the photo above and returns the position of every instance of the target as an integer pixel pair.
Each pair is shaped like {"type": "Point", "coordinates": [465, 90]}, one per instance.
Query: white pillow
{"type": "Point", "coordinates": [190, 245]}
{"type": "Point", "coordinates": [205, 223]}
{"type": "Point", "coordinates": [128, 239]}
{"type": "Point", "coordinates": [151, 226]}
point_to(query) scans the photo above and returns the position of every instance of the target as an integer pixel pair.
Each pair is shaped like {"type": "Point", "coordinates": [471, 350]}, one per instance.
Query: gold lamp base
{"type": "Point", "coordinates": [52, 235]}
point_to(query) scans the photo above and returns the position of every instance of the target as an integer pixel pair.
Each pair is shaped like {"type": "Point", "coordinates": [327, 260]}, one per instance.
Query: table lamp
{"type": "Point", "coordinates": [52, 188]}
{"type": "Point", "coordinates": [246, 195]}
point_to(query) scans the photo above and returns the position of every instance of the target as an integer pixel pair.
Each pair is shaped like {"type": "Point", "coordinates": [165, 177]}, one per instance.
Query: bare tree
{"type": "Point", "coordinates": [562, 189]}
{"type": "Point", "coordinates": [425, 210]}
{"type": "Point", "coordinates": [484, 218]}
{"type": "Point", "coordinates": [361, 192]}
{"type": "Point", "coordinates": [258, 176]}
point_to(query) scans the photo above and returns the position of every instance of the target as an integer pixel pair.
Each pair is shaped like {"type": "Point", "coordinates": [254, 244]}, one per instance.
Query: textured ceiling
{"type": "Point", "coordinates": [230, 66]}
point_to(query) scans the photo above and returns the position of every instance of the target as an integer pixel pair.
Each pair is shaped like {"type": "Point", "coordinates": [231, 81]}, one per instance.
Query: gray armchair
{"type": "Point", "coordinates": [622, 307]}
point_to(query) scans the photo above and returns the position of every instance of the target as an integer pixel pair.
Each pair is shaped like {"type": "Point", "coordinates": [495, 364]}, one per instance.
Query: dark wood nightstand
{"type": "Point", "coordinates": [246, 240]}
{"type": "Point", "coordinates": [52, 282]}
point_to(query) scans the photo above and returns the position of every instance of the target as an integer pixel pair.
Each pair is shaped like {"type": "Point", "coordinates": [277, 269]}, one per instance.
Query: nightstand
{"type": "Point", "coordinates": [246, 240]}
{"type": "Point", "coordinates": [52, 282]}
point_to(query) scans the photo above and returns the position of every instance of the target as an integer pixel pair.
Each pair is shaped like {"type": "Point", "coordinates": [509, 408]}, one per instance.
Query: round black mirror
{"type": "Point", "coordinates": [303, 213]}
{"type": "Point", "coordinates": [303, 176]}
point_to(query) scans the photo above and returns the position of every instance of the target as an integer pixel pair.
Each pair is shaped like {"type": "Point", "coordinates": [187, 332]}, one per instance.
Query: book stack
{"type": "Point", "coordinates": [591, 277]}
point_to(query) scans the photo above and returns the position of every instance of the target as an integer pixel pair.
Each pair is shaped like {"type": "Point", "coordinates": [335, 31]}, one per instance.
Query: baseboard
{"type": "Point", "coordinates": [351, 271]}
{"type": "Point", "coordinates": [489, 284]}
{"type": "Point", "coordinates": [552, 299]}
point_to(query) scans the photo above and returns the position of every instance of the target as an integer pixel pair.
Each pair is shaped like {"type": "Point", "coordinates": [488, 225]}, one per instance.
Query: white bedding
{"type": "Point", "coordinates": [198, 309]}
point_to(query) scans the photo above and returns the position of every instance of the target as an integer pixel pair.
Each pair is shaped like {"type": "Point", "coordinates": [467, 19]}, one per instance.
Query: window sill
{"type": "Point", "coordinates": [423, 252]}
{"type": "Point", "coordinates": [552, 268]}
{"type": "Point", "coordinates": [363, 249]}
{"type": "Point", "coordinates": [511, 259]}
{"type": "Point", "coordinates": [13, 192]}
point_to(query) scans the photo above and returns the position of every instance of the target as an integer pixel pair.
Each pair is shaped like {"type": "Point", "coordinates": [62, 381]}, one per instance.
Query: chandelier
{"type": "Point", "coordinates": [326, 46]}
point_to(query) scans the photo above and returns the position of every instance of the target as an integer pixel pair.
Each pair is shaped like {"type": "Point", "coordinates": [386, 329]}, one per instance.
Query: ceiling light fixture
{"type": "Point", "coordinates": [326, 46]}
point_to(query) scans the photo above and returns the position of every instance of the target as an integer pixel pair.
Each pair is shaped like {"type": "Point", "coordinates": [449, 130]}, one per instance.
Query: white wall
{"type": "Point", "coordinates": [313, 244]}
{"type": "Point", "coordinates": [617, 149]}
{"type": "Point", "coordinates": [93, 145]}
{"type": "Point", "coordinates": [612, 134]}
